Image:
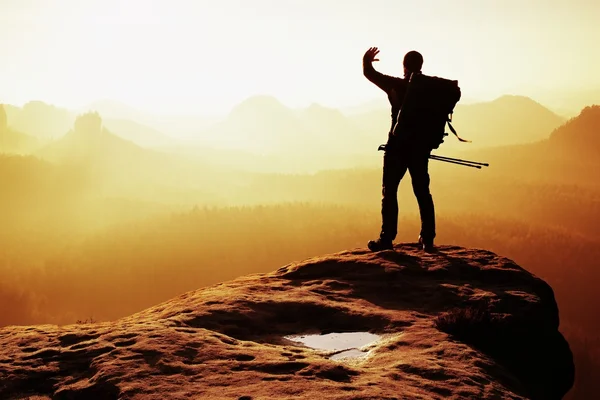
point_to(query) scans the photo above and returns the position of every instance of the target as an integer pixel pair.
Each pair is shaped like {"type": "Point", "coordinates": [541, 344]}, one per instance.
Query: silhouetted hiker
{"type": "Point", "coordinates": [402, 153]}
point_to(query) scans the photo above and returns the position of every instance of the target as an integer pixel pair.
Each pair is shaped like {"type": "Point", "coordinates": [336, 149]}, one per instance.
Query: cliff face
{"type": "Point", "coordinates": [460, 323]}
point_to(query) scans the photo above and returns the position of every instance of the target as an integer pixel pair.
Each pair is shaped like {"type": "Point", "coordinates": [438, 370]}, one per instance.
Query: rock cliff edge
{"type": "Point", "coordinates": [456, 324]}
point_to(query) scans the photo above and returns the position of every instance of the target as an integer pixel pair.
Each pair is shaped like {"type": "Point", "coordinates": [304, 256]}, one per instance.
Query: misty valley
{"type": "Point", "coordinates": [103, 215]}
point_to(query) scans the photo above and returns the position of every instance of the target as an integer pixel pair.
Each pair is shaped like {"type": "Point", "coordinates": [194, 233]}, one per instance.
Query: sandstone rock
{"type": "Point", "coordinates": [227, 341]}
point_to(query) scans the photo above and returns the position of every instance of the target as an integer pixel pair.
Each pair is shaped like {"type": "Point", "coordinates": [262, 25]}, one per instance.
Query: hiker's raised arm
{"type": "Point", "coordinates": [384, 82]}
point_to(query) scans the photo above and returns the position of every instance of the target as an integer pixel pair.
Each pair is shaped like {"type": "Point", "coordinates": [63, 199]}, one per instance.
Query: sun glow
{"type": "Point", "coordinates": [205, 56]}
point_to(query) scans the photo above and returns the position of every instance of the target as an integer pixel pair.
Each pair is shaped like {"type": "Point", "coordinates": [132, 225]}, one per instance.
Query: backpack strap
{"type": "Point", "coordinates": [449, 120]}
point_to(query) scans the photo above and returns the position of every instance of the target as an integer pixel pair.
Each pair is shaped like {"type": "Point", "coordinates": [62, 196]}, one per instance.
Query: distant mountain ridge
{"type": "Point", "coordinates": [95, 145]}
{"type": "Point", "coordinates": [47, 122]}
{"type": "Point", "coordinates": [119, 166]}
{"type": "Point", "coordinates": [16, 142]}
{"type": "Point", "coordinates": [581, 134]}
{"type": "Point", "coordinates": [39, 119]}
{"type": "Point", "coordinates": [571, 153]}
{"type": "Point", "coordinates": [506, 120]}
{"type": "Point", "coordinates": [12, 141]}
{"type": "Point", "coordinates": [138, 133]}
{"type": "Point", "coordinates": [171, 126]}
{"type": "Point", "coordinates": [264, 125]}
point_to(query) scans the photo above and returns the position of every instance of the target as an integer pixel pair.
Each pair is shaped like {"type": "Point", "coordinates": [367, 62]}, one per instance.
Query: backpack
{"type": "Point", "coordinates": [427, 107]}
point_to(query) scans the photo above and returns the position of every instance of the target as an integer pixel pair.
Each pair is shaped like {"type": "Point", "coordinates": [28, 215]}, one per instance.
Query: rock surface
{"type": "Point", "coordinates": [226, 341]}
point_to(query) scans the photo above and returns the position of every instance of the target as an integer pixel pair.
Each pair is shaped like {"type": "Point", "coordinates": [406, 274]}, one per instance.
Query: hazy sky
{"type": "Point", "coordinates": [205, 56]}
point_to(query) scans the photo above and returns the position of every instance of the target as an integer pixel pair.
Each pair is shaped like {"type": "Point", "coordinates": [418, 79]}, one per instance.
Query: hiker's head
{"type": "Point", "coordinates": [413, 61]}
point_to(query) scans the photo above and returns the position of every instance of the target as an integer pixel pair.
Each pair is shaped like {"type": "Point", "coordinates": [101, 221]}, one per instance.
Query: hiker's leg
{"type": "Point", "coordinates": [419, 173]}
{"type": "Point", "coordinates": [394, 168]}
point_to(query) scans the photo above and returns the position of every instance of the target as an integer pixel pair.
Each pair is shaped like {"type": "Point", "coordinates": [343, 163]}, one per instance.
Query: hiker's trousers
{"type": "Point", "coordinates": [395, 164]}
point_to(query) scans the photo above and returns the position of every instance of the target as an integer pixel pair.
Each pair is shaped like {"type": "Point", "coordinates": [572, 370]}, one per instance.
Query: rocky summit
{"type": "Point", "coordinates": [398, 324]}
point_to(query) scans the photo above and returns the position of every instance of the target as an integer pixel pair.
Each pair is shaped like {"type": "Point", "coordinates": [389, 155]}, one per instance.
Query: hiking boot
{"type": "Point", "coordinates": [380, 244]}
{"type": "Point", "coordinates": [427, 244]}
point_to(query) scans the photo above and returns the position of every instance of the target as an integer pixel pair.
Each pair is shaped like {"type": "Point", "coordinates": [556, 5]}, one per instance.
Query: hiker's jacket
{"type": "Point", "coordinates": [410, 135]}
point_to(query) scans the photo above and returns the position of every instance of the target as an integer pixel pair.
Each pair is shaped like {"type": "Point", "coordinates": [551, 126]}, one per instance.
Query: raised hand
{"type": "Point", "coordinates": [371, 54]}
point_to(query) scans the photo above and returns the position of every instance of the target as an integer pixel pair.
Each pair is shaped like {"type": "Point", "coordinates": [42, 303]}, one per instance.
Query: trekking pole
{"type": "Point", "coordinates": [451, 160]}
{"type": "Point", "coordinates": [456, 162]}
{"type": "Point", "coordinates": [443, 158]}
{"type": "Point", "coordinates": [461, 160]}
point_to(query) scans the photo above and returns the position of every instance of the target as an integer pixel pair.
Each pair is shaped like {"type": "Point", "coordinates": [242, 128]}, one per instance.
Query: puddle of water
{"type": "Point", "coordinates": [346, 345]}
{"type": "Point", "coordinates": [349, 354]}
